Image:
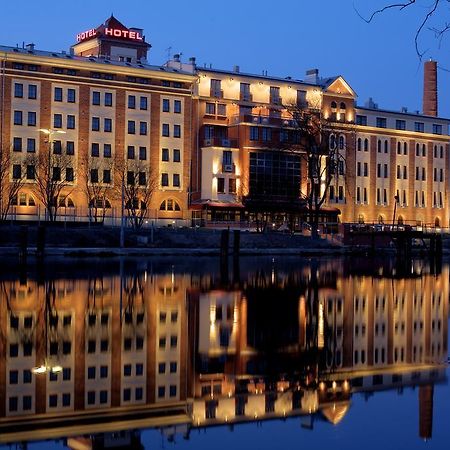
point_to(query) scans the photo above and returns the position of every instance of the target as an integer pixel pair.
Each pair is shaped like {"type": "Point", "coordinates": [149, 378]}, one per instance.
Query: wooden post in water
{"type": "Point", "coordinates": [23, 243]}
{"type": "Point", "coordinates": [224, 242]}
{"type": "Point", "coordinates": [236, 242]}
{"type": "Point", "coordinates": [40, 241]}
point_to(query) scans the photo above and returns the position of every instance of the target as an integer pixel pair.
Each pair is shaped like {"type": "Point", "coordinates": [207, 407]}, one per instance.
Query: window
{"type": "Point", "coordinates": [17, 172]}
{"type": "Point", "coordinates": [165, 129]}
{"type": "Point", "coordinates": [232, 186]}
{"type": "Point", "coordinates": [106, 176]}
{"type": "Point", "coordinates": [220, 185]}
{"type": "Point", "coordinates": [71, 95]}
{"type": "Point", "coordinates": [221, 109]}
{"type": "Point", "coordinates": [108, 99]}
{"type": "Point", "coordinates": [107, 125]}
{"type": "Point", "coordinates": [385, 171]}
{"type": "Point", "coordinates": [177, 106]}
{"type": "Point", "coordinates": [53, 400]}
{"type": "Point", "coordinates": [58, 94]}
{"type": "Point", "coordinates": [378, 170]}
{"type": "Point", "coordinates": [139, 369]}
{"type": "Point", "coordinates": [17, 144]}
{"type": "Point", "coordinates": [96, 98]}
{"type": "Point", "coordinates": [161, 391]}
{"type": "Point", "coordinates": [386, 146]}
{"type": "Point", "coordinates": [266, 134]}
{"type": "Point", "coordinates": [130, 152]}
{"type": "Point", "coordinates": [107, 150]}
{"type": "Point", "coordinates": [13, 376]}
{"type": "Point", "coordinates": [254, 133]}
{"type": "Point", "coordinates": [166, 105]}
{"type": "Point", "coordinates": [131, 127]}
{"type": "Point", "coordinates": [143, 103]}
{"type": "Point", "coordinates": [210, 109]}
{"type": "Point", "coordinates": [95, 124]}
{"type": "Point", "coordinates": [27, 376]}
{"type": "Point", "coordinates": [70, 147]}
{"type": "Point", "coordinates": [366, 145]}
{"type": "Point", "coordinates": [142, 153]}
{"type": "Point", "coordinates": [91, 397]}
{"type": "Point", "coordinates": [13, 403]}
{"type": "Point", "coordinates": [69, 174]}
{"type": "Point", "coordinates": [131, 102]}
{"type": "Point", "coordinates": [17, 117]}
{"type": "Point", "coordinates": [361, 120]}
{"type": "Point", "coordinates": [164, 179]}
{"type": "Point", "coordinates": [94, 175]}
{"type": "Point", "coordinates": [95, 149]}
{"type": "Point", "coordinates": [176, 180]}
{"type": "Point", "coordinates": [31, 119]}
{"type": "Point", "coordinates": [18, 90]}
{"type": "Point", "coordinates": [176, 155]}
{"type": "Point", "coordinates": [66, 399]}
{"type": "Point", "coordinates": [127, 395]}
{"type": "Point", "coordinates": [172, 390]}
{"type": "Point", "coordinates": [56, 174]}
{"type": "Point", "coordinates": [70, 122]}
{"type": "Point", "coordinates": [127, 370]}
{"type": "Point", "coordinates": [142, 179]}
{"type": "Point", "coordinates": [400, 124]}
{"type": "Point", "coordinates": [437, 129]}
{"type": "Point", "coordinates": [216, 90]}
{"type": "Point", "coordinates": [130, 178]}
{"type": "Point", "coordinates": [32, 91]}
{"type": "Point", "coordinates": [143, 128]}
{"type": "Point", "coordinates": [379, 146]}
{"type": "Point", "coordinates": [165, 154]}
{"type": "Point", "coordinates": [381, 122]}
{"type": "Point", "coordinates": [177, 131]}
{"type": "Point", "coordinates": [139, 393]}
{"type": "Point", "coordinates": [419, 127]}
{"type": "Point", "coordinates": [103, 397]}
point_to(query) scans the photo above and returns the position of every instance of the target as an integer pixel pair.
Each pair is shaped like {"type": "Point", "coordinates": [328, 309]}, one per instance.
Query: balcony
{"type": "Point", "coordinates": [276, 100]}
{"type": "Point", "coordinates": [228, 168]}
{"type": "Point", "coordinates": [263, 120]}
{"type": "Point", "coordinates": [220, 142]}
{"type": "Point", "coordinates": [216, 93]}
{"type": "Point", "coordinates": [246, 97]}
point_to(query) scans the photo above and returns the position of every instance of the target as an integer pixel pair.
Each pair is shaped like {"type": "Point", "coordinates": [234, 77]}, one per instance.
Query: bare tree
{"type": "Point", "coordinates": [433, 17]}
{"type": "Point", "coordinates": [54, 177]}
{"type": "Point", "coordinates": [321, 142]}
{"type": "Point", "coordinates": [10, 183]}
{"type": "Point", "coordinates": [96, 189]}
{"type": "Point", "coordinates": [136, 182]}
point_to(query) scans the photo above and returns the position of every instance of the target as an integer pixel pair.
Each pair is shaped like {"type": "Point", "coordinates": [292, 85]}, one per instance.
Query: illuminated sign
{"type": "Point", "coordinates": [114, 32]}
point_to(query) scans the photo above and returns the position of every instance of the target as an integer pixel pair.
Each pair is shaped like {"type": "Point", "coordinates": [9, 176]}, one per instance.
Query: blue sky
{"type": "Point", "coordinates": [285, 38]}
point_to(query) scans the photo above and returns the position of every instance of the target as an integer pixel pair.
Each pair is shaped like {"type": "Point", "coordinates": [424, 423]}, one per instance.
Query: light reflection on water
{"type": "Point", "coordinates": [264, 353]}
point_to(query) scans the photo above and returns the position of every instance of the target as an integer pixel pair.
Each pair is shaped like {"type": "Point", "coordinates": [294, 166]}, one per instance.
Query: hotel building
{"type": "Point", "coordinates": [205, 142]}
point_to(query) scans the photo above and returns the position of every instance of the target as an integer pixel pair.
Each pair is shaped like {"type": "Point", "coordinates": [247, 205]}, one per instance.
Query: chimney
{"type": "Point", "coordinates": [430, 100]}
{"type": "Point", "coordinates": [312, 76]}
{"type": "Point", "coordinates": [371, 104]}
{"type": "Point", "coordinates": [30, 47]}
{"type": "Point", "coordinates": [236, 69]}
{"type": "Point", "coordinates": [176, 57]}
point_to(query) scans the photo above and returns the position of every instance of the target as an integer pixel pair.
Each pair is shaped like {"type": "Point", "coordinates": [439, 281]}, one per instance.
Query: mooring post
{"type": "Point", "coordinates": [40, 241]}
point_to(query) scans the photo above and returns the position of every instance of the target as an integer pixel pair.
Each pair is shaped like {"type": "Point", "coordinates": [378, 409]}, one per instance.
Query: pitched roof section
{"type": "Point", "coordinates": [337, 85]}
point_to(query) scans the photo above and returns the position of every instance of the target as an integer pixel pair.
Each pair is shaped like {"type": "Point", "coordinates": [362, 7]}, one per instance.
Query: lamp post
{"type": "Point", "coordinates": [50, 133]}
{"type": "Point", "coordinates": [396, 200]}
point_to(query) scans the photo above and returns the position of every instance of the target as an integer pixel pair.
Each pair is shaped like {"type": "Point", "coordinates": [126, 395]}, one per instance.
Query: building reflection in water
{"type": "Point", "coordinates": [177, 349]}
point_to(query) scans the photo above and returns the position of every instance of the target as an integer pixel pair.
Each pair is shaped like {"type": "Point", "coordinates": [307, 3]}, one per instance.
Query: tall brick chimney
{"type": "Point", "coordinates": [430, 100]}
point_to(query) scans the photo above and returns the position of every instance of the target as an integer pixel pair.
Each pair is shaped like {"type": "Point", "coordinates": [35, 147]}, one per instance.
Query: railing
{"type": "Point", "coordinates": [263, 120]}
{"type": "Point", "coordinates": [228, 168]}
{"type": "Point", "coordinates": [276, 100]}
{"type": "Point", "coordinates": [220, 142]}
{"type": "Point", "coordinates": [216, 93]}
{"type": "Point", "coordinates": [246, 97]}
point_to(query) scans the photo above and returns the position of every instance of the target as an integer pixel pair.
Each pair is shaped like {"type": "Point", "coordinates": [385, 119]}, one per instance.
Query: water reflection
{"type": "Point", "coordinates": [90, 350]}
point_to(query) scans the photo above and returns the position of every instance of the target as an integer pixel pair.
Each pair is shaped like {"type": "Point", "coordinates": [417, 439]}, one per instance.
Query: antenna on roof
{"type": "Point", "coordinates": [169, 53]}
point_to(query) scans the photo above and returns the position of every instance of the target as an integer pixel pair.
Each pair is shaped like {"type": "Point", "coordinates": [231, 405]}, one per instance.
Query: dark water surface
{"type": "Point", "coordinates": [193, 353]}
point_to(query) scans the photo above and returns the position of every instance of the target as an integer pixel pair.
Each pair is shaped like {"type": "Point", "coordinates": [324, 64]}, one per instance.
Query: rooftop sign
{"type": "Point", "coordinates": [113, 32]}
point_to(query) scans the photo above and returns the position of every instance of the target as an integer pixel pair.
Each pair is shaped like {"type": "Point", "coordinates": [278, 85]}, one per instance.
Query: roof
{"type": "Point", "coordinates": [402, 113]}
{"type": "Point", "coordinates": [64, 56]}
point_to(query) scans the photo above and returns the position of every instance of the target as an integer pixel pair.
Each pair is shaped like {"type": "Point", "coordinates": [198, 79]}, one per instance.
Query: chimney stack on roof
{"type": "Point", "coordinates": [312, 76]}
{"type": "Point", "coordinates": [430, 98]}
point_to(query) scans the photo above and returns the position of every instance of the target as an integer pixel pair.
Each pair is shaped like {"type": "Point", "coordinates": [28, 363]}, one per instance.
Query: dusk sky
{"type": "Point", "coordinates": [285, 38]}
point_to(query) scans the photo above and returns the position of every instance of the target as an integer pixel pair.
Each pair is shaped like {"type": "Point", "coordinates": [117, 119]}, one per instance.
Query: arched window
{"type": "Point", "coordinates": [366, 145]}
{"type": "Point", "coordinates": [379, 145]}
{"type": "Point", "coordinates": [332, 141]}
{"type": "Point", "coordinates": [359, 142]}
{"type": "Point", "coordinates": [399, 148]}
{"type": "Point", "coordinates": [424, 150]}
{"type": "Point", "coordinates": [380, 219]}
{"type": "Point", "coordinates": [417, 149]}
{"type": "Point", "coordinates": [333, 105]}
{"type": "Point", "coordinates": [169, 205]}
{"type": "Point", "coordinates": [437, 222]}
{"type": "Point", "coordinates": [385, 146]}
{"type": "Point", "coordinates": [405, 148]}
{"type": "Point", "coordinates": [341, 142]}
{"type": "Point", "coordinates": [70, 203]}
{"type": "Point", "coordinates": [435, 151]}
{"type": "Point", "coordinates": [361, 218]}
{"type": "Point", "coordinates": [342, 105]}
{"type": "Point", "coordinates": [400, 220]}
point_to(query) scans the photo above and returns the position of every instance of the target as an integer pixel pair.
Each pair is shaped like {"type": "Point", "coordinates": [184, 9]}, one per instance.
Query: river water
{"type": "Point", "coordinates": [268, 352]}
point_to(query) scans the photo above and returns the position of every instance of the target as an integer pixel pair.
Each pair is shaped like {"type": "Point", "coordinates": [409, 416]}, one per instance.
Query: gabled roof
{"type": "Point", "coordinates": [337, 85]}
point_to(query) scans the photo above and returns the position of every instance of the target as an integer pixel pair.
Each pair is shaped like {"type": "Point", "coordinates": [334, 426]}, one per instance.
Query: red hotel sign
{"type": "Point", "coordinates": [114, 32]}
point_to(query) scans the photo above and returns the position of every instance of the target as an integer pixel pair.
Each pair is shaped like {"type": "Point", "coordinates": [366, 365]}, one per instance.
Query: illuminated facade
{"type": "Point", "coordinates": [108, 114]}
{"type": "Point", "coordinates": [207, 139]}
{"type": "Point", "coordinates": [389, 159]}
